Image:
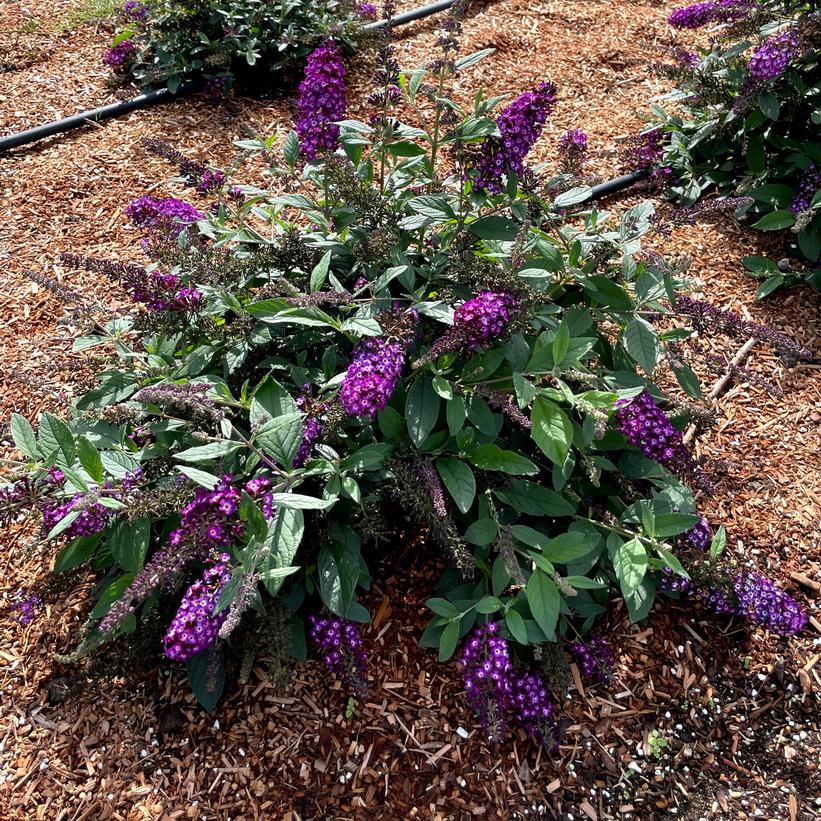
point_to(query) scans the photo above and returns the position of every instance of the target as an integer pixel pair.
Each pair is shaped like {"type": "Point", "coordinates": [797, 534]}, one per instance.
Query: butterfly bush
{"type": "Point", "coordinates": [404, 345]}
{"type": "Point", "coordinates": [226, 42]}
{"type": "Point", "coordinates": [742, 123]}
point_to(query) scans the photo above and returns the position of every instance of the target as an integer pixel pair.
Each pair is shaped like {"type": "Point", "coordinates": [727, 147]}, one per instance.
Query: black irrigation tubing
{"type": "Point", "coordinates": [163, 95]}
{"type": "Point", "coordinates": [617, 184]}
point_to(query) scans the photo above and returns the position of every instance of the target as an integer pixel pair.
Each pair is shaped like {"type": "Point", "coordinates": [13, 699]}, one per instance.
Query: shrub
{"type": "Point", "coordinates": [420, 323]}
{"type": "Point", "coordinates": [750, 116]}
{"type": "Point", "coordinates": [166, 41]}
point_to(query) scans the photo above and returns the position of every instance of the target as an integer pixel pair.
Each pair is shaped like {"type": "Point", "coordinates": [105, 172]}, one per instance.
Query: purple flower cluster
{"type": "Point", "coordinates": [700, 14]}
{"type": "Point", "coordinates": [165, 292]}
{"type": "Point", "coordinates": [168, 215]}
{"type": "Point", "coordinates": [211, 517]}
{"type": "Point", "coordinates": [769, 60]}
{"type": "Point", "coordinates": [487, 678]}
{"type": "Point", "coordinates": [342, 650]}
{"type": "Point", "coordinates": [321, 101]}
{"type": "Point", "coordinates": [25, 606]}
{"type": "Point", "coordinates": [119, 56]}
{"type": "Point", "coordinates": [135, 12]}
{"type": "Point", "coordinates": [195, 627]}
{"type": "Point", "coordinates": [762, 602]}
{"type": "Point", "coordinates": [92, 519]}
{"type": "Point", "coordinates": [701, 534]}
{"type": "Point", "coordinates": [367, 11]}
{"type": "Point", "coordinates": [595, 658]}
{"type": "Point", "coordinates": [311, 431]}
{"type": "Point", "coordinates": [644, 152]}
{"type": "Point", "coordinates": [573, 151]}
{"type": "Point", "coordinates": [810, 183]}
{"type": "Point", "coordinates": [210, 181]}
{"type": "Point", "coordinates": [645, 425]}
{"type": "Point", "coordinates": [534, 710]}
{"type": "Point", "coordinates": [485, 316]}
{"type": "Point", "coordinates": [375, 368]}
{"type": "Point", "coordinates": [520, 125]}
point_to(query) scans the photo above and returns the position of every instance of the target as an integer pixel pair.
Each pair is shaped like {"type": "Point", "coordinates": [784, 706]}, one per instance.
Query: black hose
{"type": "Point", "coordinates": [149, 98]}
{"type": "Point", "coordinates": [413, 14]}
{"type": "Point", "coordinates": [617, 184]}
{"type": "Point", "coordinates": [163, 95]}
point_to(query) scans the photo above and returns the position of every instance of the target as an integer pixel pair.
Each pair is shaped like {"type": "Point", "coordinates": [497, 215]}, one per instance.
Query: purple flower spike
{"type": "Point", "coordinates": [195, 627]}
{"type": "Point", "coordinates": [26, 606]}
{"type": "Point", "coordinates": [534, 710]}
{"type": "Point", "coordinates": [119, 56]}
{"type": "Point", "coordinates": [487, 669]}
{"type": "Point", "coordinates": [166, 215]}
{"type": "Point", "coordinates": [342, 650]}
{"type": "Point", "coordinates": [810, 183]}
{"type": "Point", "coordinates": [135, 12]}
{"type": "Point", "coordinates": [371, 377]}
{"type": "Point", "coordinates": [573, 151]}
{"type": "Point", "coordinates": [321, 101]}
{"type": "Point", "coordinates": [91, 520]}
{"type": "Point", "coordinates": [595, 658]}
{"type": "Point", "coordinates": [367, 11]}
{"type": "Point", "coordinates": [761, 601]}
{"type": "Point", "coordinates": [520, 125]}
{"type": "Point", "coordinates": [701, 14]}
{"type": "Point", "coordinates": [483, 317]}
{"type": "Point", "coordinates": [770, 60]}
{"type": "Point", "coordinates": [701, 534]}
{"type": "Point", "coordinates": [645, 425]}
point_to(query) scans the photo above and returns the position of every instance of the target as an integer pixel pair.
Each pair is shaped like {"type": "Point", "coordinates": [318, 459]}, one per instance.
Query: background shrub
{"type": "Point", "coordinates": [745, 121]}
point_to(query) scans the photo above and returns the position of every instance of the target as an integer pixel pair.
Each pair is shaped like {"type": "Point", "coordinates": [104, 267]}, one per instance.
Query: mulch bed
{"type": "Point", "coordinates": [703, 719]}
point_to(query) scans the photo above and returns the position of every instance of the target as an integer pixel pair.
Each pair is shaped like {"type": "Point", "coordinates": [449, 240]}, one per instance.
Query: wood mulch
{"type": "Point", "coordinates": [703, 718]}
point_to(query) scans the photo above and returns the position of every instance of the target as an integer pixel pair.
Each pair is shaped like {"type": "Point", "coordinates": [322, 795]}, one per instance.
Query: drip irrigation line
{"type": "Point", "coordinates": [164, 95]}
{"type": "Point", "coordinates": [616, 185]}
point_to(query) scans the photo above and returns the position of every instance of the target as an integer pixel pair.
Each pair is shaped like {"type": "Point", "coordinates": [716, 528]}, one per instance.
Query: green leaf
{"type": "Point", "coordinates": [290, 149]}
{"type": "Point", "coordinates": [516, 624]}
{"type": "Point", "coordinates": [574, 196]}
{"type": "Point", "coordinates": [456, 413]}
{"type": "Point", "coordinates": [443, 387]}
{"type": "Point", "coordinates": [606, 292]}
{"type": "Point", "coordinates": [23, 434]}
{"type": "Point", "coordinates": [561, 343]}
{"type": "Point", "coordinates": [458, 478]}
{"type": "Point", "coordinates": [297, 501]}
{"type": "Point", "coordinates": [369, 458]}
{"type": "Point", "coordinates": [421, 410]}
{"type": "Point", "coordinates": [280, 438]}
{"type": "Point", "coordinates": [448, 640]}
{"type": "Point", "coordinates": [566, 547]}
{"type": "Point", "coordinates": [115, 387]}
{"type": "Point", "coordinates": [488, 604]}
{"type": "Point", "coordinates": [495, 228]}
{"type": "Point", "coordinates": [672, 524]}
{"type": "Point", "coordinates": [76, 552]}
{"type": "Point", "coordinates": [769, 104]}
{"type": "Point", "coordinates": [775, 221]}
{"type": "Point", "coordinates": [209, 452]}
{"type": "Point", "coordinates": [482, 532]}
{"type": "Point", "coordinates": [630, 564]}
{"type": "Point", "coordinates": [320, 272]}
{"type": "Point", "coordinates": [437, 208]}
{"type": "Point", "coordinates": [90, 459]}
{"type": "Point", "coordinates": [543, 597]}
{"type": "Point", "coordinates": [284, 537]}
{"type": "Point", "coordinates": [535, 500]}
{"type": "Point", "coordinates": [110, 595]}
{"type": "Point", "coordinates": [444, 608]}
{"type": "Point", "coordinates": [201, 477]}
{"type": "Point", "coordinates": [639, 602]}
{"type": "Point", "coordinates": [642, 343]}
{"type": "Point", "coordinates": [269, 401]}
{"type": "Point", "coordinates": [768, 286]}
{"type": "Point", "coordinates": [492, 457]}
{"type": "Point", "coordinates": [128, 543]}
{"type": "Point", "coordinates": [55, 437]}
{"type": "Point", "coordinates": [551, 429]}
{"type": "Point", "coordinates": [719, 543]}
{"type": "Point", "coordinates": [206, 675]}
{"type": "Point", "coordinates": [687, 379]}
